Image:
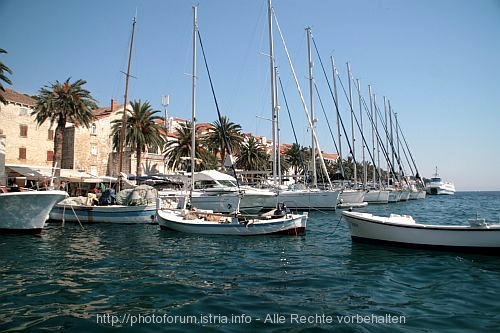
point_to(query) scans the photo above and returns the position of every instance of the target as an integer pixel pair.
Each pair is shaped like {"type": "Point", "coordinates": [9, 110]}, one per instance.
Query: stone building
{"type": "Point", "coordinates": [91, 149]}
{"type": "Point", "coordinates": [29, 147]}
{"type": "Point", "coordinates": [26, 143]}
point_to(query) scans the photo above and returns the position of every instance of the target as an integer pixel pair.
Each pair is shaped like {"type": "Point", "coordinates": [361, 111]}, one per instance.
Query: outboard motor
{"type": "Point", "coordinates": [281, 209]}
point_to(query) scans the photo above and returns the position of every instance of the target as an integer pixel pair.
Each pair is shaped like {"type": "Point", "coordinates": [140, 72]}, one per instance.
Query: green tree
{"type": "Point", "coordinates": [177, 152]}
{"type": "Point", "coordinates": [297, 157]}
{"type": "Point", "coordinates": [3, 70]}
{"type": "Point", "coordinates": [252, 156]}
{"type": "Point", "coordinates": [215, 138]}
{"type": "Point", "coordinates": [142, 130]}
{"type": "Point", "coordinates": [61, 103]}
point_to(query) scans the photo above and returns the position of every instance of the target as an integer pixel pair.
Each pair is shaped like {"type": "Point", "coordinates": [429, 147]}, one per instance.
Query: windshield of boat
{"type": "Point", "coordinates": [204, 184]}
{"type": "Point", "coordinates": [435, 180]}
{"type": "Point", "coordinates": [228, 183]}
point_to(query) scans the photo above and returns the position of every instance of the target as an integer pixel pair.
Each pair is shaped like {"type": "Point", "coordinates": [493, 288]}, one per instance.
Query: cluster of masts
{"type": "Point", "coordinates": [387, 137]}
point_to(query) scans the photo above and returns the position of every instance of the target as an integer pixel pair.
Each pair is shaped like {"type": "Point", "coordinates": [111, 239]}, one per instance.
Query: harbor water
{"type": "Point", "coordinates": [140, 278]}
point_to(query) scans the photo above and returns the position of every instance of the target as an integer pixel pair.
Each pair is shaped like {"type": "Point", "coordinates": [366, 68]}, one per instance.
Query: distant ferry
{"type": "Point", "coordinates": [436, 186]}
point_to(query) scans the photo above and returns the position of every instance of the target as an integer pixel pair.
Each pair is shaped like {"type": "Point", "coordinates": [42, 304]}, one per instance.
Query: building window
{"type": "Point", "coordinates": [50, 155]}
{"type": "Point", "coordinates": [22, 153]}
{"type": "Point", "coordinates": [93, 150]}
{"type": "Point", "coordinates": [93, 129]}
{"type": "Point", "coordinates": [50, 135]}
{"type": "Point", "coordinates": [93, 170]}
{"type": "Point", "coordinates": [23, 131]}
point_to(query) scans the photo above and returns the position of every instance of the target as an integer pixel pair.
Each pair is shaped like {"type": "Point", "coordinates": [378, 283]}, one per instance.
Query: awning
{"type": "Point", "coordinates": [41, 172]}
{"type": "Point", "coordinates": [30, 172]}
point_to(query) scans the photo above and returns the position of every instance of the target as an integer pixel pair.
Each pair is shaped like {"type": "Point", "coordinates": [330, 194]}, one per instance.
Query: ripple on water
{"type": "Point", "coordinates": [63, 279]}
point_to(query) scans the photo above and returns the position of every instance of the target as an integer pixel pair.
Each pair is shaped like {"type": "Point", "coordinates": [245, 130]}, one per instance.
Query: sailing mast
{"type": "Point", "coordinates": [278, 152]}
{"type": "Point", "coordinates": [334, 69]}
{"type": "Point", "coordinates": [124, 117]}
{"type": "Point", "coordinates": [373, 132]}
{"type": "Point", "coordinates": [311, 109]}
{"type": "Point", "coordinates": [274, 116]}
{"type": "Point", "coordinates": [379, 142]}
{"type": "Point", "coordinates": [193, 100]}
{"type": "Point", "coordinates": [362, 131]}
{"type": "Point", "coordinates": [352, 128]}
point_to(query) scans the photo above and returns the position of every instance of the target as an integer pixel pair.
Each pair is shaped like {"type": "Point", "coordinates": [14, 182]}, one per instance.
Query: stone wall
{"type": "Point", "coordinates": [37, 142]}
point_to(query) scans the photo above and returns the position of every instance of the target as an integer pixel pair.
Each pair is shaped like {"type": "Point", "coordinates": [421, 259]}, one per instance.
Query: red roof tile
{"type": "Point", "coordinates": [15, 97]}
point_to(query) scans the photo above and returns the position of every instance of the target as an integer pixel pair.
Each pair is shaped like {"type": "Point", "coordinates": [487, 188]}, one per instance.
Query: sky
{"type": "Point", "coordinates": [435, 60]}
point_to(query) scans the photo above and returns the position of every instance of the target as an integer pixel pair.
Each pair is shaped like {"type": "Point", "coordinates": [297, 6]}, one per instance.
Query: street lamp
{"type": "Point", "coordinates": [165, 100]}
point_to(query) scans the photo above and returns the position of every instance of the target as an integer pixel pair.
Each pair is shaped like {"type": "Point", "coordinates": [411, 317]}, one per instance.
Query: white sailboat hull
{"type": "Point", "coordinates": [377, 196]}
{"type": "Point", "coordinates": [309, 199]}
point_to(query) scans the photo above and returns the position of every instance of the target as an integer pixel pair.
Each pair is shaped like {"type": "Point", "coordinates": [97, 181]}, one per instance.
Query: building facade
{"type": "Point", "coordinates": [26, 143]}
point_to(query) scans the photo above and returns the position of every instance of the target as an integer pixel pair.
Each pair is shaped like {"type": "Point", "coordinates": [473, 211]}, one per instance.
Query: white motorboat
{"type": "Point", "coordinates": [402, 230]}
{"type": "Point", "coordinates": [436, 186]}
{"type": "Point", "coordinates": [278, 221]}
{"type": "Point", "coordinates": [27, 211]}
{"type": "Point", "coordinates": [212, 182]}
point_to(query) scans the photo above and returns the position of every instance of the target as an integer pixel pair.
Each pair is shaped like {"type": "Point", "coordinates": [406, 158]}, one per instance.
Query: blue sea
{"type": "Point", "coordinates": [139, 278]}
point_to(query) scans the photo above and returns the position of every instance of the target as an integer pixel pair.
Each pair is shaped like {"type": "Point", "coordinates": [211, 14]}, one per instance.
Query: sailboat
{"type": "Point", "coordinates": [137, 205]}
{"type": "Point", "coordinates": [277, 221]}
{"type": "Point", "coordinates": [299, 196]}
{"type": "Point", "coordinates": [376, 194]}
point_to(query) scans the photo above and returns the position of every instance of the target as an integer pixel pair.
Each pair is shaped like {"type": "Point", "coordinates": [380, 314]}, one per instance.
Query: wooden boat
{"type": "Point", "coordinates": [69, 212]}
{"type": "Point", "coordinates": [402, 230]}
{"type": "Point", "coordinates": [132, 206]}
{"type": "Point", "coordinates": [278, 221]}
{"type": "Point", "coordinates": [26, 212]}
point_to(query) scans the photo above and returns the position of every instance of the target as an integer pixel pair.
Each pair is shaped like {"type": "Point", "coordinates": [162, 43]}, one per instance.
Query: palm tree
{"type": "Point", "coordinates": [61, 103]}
{"type": "Point", "coordinates": [297, 157]}
{"type": "Point", "coordinates": [178, 151]}
{"type": "Point", "coordinates": [224, 130]}
{"type": "Point", "coordinates": [3, 77]}
{"type": "Point", "coordinates": [142, 130]}
{"type": "Point", "coordinates": [252, 156]}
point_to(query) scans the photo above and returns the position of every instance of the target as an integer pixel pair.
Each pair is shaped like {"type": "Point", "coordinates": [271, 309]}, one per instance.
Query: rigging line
{"type": "Point", "coordinates": [409, 151]}
{"type": "Point", "coordinates": [336, 104]}
{"type": "Point", "coordinates": [386, 130]}
{"type": "Point", "coordinates": [385, 151]}
{"type": "Point", "coordinates": [324, 113]}
{"type": "Point", "coordinates": [291, 123]}
{"type": "Point", "coordinates": [403, 148]}
{"type": "Point", "coordinates": [288, 110]}
{"type": "Point", "coordinates": [369, 116]}
{"type": "Point", "coordinates": [356, 119]}
{"type": "Point", "coordinates": [226, 142]}
{"type": "Point", "coordinates": [335, 228]}
{"type": "Point", "coordinates": [379, 139]}
{"type": "Point", "coordinates": [304, 106]}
